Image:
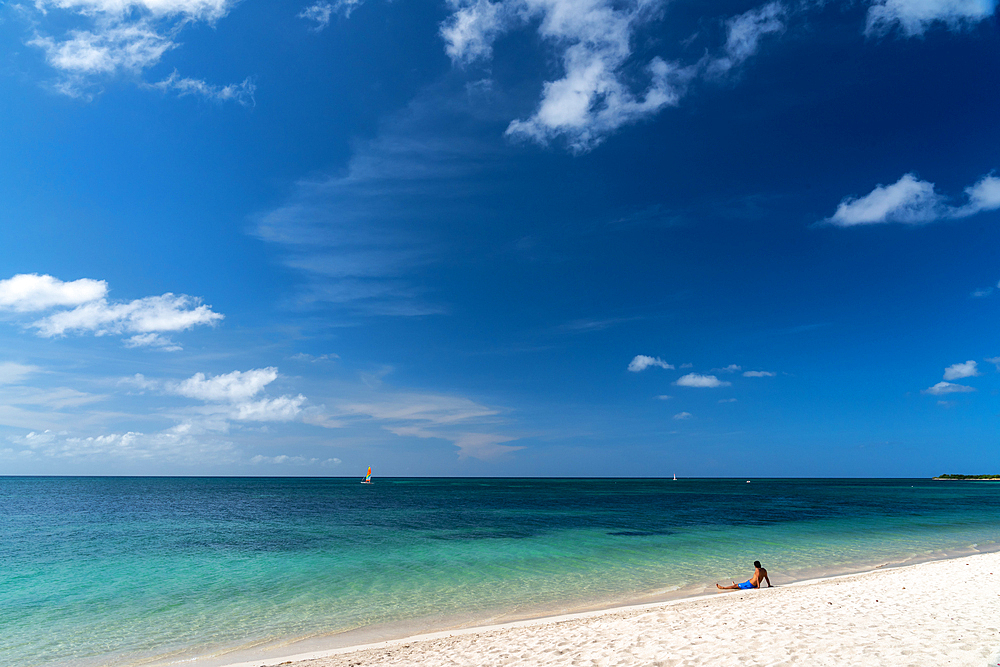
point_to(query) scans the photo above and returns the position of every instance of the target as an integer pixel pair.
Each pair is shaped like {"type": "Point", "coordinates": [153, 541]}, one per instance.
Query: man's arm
{"type": "Point", "coordinates": [766, 579]}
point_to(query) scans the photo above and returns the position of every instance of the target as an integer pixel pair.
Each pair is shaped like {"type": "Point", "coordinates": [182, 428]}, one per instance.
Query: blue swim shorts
{"type": "Point", "coordinates": [745, 585]}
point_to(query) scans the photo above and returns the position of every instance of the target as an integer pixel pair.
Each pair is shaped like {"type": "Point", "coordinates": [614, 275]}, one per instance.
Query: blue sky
{"type": "Point", "coordinates": [510, 237]}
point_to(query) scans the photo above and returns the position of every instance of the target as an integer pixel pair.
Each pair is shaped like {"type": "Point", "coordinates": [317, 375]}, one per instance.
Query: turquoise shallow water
{"type": "Point", "coordinates": [129, 571]}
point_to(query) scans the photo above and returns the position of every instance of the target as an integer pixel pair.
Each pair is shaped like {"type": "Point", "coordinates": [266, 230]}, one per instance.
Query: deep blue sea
{"type": "Point", "coordinates": [154, 571]}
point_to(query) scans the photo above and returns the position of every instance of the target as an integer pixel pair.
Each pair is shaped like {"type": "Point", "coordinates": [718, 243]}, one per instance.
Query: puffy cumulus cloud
{"type": "Point", "coordinates": [908, 200]}
{"type": "Point", "coordinates": [758, 374]}
{"type": "Point", "coordinates": [700, 381]}
{"type": "Point", "coordinates": [281, 409]}
{"type": "Point", "coordinates": [959, 371]}
{"type": "Point", "coordinates": [641, 362]}
{"type": "Point", "coordinates": [914, 17]}
{"type": "Point", "coordinates": [233, 397]}
{"type": "Point", "coordinates": [28, 292]}
{"type": "Point", "coordinates": [683, 415]}
{"type": "Point", "coordinates": [120, 37]}
{"type": "Point", "coordinates": [593, 39]}
{"type": "Point", "coordinates": [232, 387]}
{"type": "Point", "coordinates": [602, 87]}
{"type": "Point", "coordinates": [151, 314]}
{"type": "Point", "coordinates": [146, 319]}
{"type": "Point", "coordinates": [913, 201]}
{"type": "Point", "coordinates": [942, 388]}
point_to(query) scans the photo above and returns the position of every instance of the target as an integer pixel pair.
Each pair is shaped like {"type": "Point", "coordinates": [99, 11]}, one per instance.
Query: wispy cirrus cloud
{"type": "Point", "coordinates": [758, 374]}
{"type": "Point", "coordinates": [913, 19]}
{"type": "Point", "coordinates": [241, 93]}
{"type": "Point", "coordinates": [321, 12]}
{"type": "Point", "coordinates": [912, 201]}
{"type": "Point", "coordinates": [744, 34]}
{"type": "Point", "coordinates": [147, 319]}
{"type": "Point", "coordinates": [451, 418]}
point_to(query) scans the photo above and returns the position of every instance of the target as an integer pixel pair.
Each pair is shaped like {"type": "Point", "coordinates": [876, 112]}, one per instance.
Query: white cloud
{"type": "Point", "coordinates": [129, 47]}
{"type": "Point", "coordinates": [121, 37]}
{"type": "Point", "coordinates": [727, 400]}
{"type": "Point", "coordinates": [144, 318]}
{"type": "Point", "coordinates": [152, 340]}
{"type": "Point", "coordinates": [430, 408]}
{"type": "Point", "coordinates": [593, 39]}
{"type": "Point", "coordinates": [285, 459]}
{"type": "Point", "coordinates": [150, 314]}
{"type": "Point", "coordinates": [701, 381]}
{"type": "Point", "coordinates": [942, 388]}
{"type": "Point", "coordinates": [303, 356]}
{"type": "Point", "coordinates": [13, 373]}
{"type": "Point", "coordinates": [641, 362]}
{"type": "Point", "coordinates": [238, 92]}
{"type": "Point", "coordinates": [230, 398]}
{"type": "Point", "coordinates": [319, 12]}
{"type": "Point", "coordinates": [234, 387]}
{"type": "Point", "coordinates": [908, 200]}
{"type": "Point", "coordinates": [731, 368]}
{"type": "Point", "coordinates": [914, 17]}
{"type": "Point", "coordinates": [995, 361]}
{"type": "Point", "coordinates": [164, 447]}
{"type": "Point", "coordinates": [27, 292]}
{"type": "Point", "coordinates": [980, 293]}
{"type": "Point", "coordinates": [483, 446]}
{"type": "Point", "coordinates": [437, 416]}
{"type": "Point", "coordinates": [281, 409]}
{"type": "Point", "coordinates": [664, 397]}
{"type": "Point", "coordinates": [683, 415]}
{"type": "Point", "coordinates": [759, 374]}
{"type": "Point", "coordinates": [470, 31]}
{"type": "Point", "coordinates": [744, 33]}
{"type": "Point", "coordinates": [913, 201]}
{"type": "Point", "coordinates": [959, 371]}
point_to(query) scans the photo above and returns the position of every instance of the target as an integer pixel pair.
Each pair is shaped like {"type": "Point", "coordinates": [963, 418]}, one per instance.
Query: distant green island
{"type": "Point", "coordinates": [980, 477]}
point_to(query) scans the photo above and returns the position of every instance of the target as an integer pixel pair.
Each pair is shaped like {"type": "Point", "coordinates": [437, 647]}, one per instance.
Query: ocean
{"type": "Point", "coordinates": [208, 571]}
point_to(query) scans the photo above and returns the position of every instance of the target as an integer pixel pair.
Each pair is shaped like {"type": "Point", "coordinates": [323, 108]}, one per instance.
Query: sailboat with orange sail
{"type": "Point", "coordinates": [368, 477]}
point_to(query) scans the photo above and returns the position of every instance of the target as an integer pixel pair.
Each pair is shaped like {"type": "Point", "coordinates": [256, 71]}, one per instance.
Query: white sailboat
{"type": "Point", "coordinates": [675, 477]}
{"type": "Point", "coordinates": [368, 477]}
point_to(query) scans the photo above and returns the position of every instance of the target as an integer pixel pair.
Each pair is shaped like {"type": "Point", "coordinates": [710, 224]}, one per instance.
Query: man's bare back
{"type": "Point", "coordinates": [759, 575]}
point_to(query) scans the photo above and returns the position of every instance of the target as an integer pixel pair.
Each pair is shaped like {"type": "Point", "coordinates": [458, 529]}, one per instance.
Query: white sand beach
{"type": "Point", "coordinates": [926, 615]}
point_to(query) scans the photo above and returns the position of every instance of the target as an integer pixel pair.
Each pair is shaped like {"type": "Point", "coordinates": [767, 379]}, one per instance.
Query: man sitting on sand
{"type": "Point", "coordinates": [759, 574]}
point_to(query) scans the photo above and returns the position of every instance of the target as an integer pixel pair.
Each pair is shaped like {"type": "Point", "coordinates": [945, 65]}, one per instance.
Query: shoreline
{"type": "Point", "coordinates": [434, 647]}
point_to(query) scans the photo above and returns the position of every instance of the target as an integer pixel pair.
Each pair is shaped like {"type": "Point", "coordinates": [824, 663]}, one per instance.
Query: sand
{"type": "Point", "coordinates": [927, 615]}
